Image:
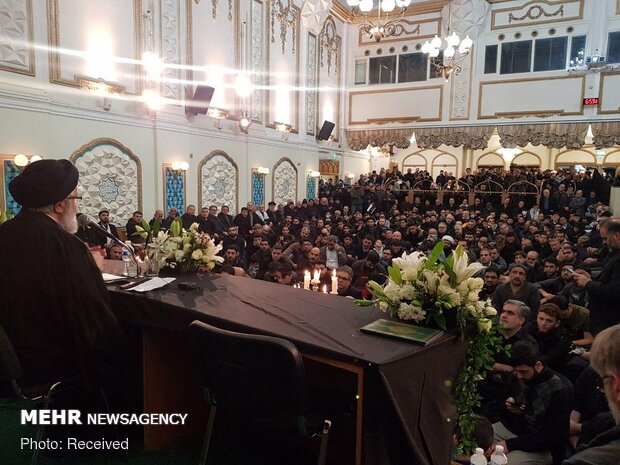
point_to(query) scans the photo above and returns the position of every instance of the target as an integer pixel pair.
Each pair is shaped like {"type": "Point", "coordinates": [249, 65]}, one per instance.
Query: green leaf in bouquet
{"type": "Point", "coordinates": [395, 274]}
{"type": "Point", "coordinates": [449, 262]}
{"type": "Point", "coordinates": [440, 320]}
{"type": "Point", "coordinates": [145, 226]}
{"type": "Point", "coordinates": [156, 228]}
{"type": "Point", "coordinates": [364, 302]}
{"type": "Point", "coordinates": [432, 260]}
{"type": "Point", "coordinates": [451, 274]}
{"type": "Point", "coordinates": [176, 227]}
{"type": "Point", "coordinates": [375, 287]}
{"type": "Point", "coordinates": [140, 232]}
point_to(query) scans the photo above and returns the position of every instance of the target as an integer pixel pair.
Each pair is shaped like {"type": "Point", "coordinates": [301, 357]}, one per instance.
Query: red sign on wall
{"type": "Point", "coordinates": [590, 101]}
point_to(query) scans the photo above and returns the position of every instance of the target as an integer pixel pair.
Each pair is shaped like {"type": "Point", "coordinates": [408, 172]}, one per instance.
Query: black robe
{"type": "Point", "coordinates": [54, 305]}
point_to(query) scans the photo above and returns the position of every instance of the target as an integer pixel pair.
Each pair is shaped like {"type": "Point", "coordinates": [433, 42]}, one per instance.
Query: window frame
{"type": "Point", "coordinates": [395, 70]}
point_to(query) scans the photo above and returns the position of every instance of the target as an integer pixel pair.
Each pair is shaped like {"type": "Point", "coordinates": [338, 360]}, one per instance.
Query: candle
{"type": "Point", "coordinates": [324, 288]}
{"type": "Point", "coordinates": [334, 283]}
{"type": "Point", "coordinates": [307, 280]}
{"type": "Point", "coordinates": [317, 276]}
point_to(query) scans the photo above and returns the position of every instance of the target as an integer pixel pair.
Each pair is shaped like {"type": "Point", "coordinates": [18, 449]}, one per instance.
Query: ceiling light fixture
{"type": "Point", "coordinates": [382, 26]}
{"type": "Point", "coordinates": [456, 50]}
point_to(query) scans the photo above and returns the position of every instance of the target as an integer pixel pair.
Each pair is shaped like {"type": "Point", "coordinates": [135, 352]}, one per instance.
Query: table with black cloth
{"type": "Point", "coordinates": [404, 389]}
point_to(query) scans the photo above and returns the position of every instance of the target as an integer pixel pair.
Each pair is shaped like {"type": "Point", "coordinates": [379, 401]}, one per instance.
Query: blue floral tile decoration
{"type": "Point", "coordinates": [258, 188]}
{"type": "Point", "coordinates": [11, 171]}
{"type": "Point", "coordinates": [311, 188]}
{"type": "Point", "coordinates": [175, 189]}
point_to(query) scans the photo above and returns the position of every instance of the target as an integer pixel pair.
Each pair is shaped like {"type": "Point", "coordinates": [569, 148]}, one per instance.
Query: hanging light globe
{"type": "Point", "coordinates": [388, 5]}
{"type": "Point", "coordinates": [366, 5]}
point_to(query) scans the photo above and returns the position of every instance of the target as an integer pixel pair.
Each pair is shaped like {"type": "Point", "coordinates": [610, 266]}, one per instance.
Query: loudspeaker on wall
{"type": "Point", "coordinates": [199, 103]}
{"type": "Point", "coordinates": [326, 130]}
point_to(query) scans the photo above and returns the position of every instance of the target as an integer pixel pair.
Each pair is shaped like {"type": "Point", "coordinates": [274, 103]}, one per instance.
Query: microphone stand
{"type": "Point", "coordinates": [86, 222]}
{"type": "Point", "coordinates": [120, 243]}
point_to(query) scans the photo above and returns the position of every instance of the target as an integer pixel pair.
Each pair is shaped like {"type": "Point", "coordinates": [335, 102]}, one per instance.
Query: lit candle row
{"type": "Point", "coordinates": [316, 279]}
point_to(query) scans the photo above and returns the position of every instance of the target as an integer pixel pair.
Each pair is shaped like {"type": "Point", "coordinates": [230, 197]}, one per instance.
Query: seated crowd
{"type": "Point", "coordinates": [550, 268]}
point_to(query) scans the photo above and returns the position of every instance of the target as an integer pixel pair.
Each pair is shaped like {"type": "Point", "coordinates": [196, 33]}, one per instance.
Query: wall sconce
{"type": "Point", "coordinates": [284, 128]}
{"type": "Point", "coordinates": [21, 160]}
{"type": "Point", "coordinates": [350, 175]}
{"type": "Point", "coordinates": [261, 170]}
{"type": "Point", "coordinates": [218, 114]}
{"type": "Point", "coordinates": [245, 122]}
{"type": "Point", "coordinates": [508, 154]}
{"type": "Point", "coordinates": [180, 166]}
{"type": "Point", "coordinates": [314, 174]}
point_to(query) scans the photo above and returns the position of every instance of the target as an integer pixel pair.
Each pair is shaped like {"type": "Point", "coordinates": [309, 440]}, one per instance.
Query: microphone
{"type": "Point", "coordinates": [84, 220]}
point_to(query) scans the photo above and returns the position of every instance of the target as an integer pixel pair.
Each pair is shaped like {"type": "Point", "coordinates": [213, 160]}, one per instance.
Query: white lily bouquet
{"type": "Point", "coordinates": [421, 288]}
{"type": "Point", "coordinates": [185, 250]}
{"type": "Point", "coordinates": [443, 292]}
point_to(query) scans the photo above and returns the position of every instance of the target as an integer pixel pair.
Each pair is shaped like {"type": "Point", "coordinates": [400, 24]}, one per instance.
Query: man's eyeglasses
{"type": "Point", "coordinates": [344, 278]}
{"type": "Point", "coordinates": [74, 197]}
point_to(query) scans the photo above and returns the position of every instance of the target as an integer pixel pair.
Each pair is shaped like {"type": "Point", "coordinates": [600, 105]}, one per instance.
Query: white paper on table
{"type": "Point", "coordinates": [153, 283]}
{"type": "Point", "coordinates": [107, 277]}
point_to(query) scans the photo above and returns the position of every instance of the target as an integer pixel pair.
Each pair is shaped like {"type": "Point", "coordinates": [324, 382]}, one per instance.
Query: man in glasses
{"type": "Point", "coordinates": [54, 305]}
{"type": "Point", "coordinates": [344, 274]}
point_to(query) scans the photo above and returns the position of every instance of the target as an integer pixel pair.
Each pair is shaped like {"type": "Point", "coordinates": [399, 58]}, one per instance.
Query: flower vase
{"type": "Point", "coordinates": [153, 263]}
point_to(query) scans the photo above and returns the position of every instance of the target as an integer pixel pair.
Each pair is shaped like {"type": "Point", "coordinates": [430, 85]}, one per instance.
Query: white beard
{"type": "Point", "coordinates": [69, 222]}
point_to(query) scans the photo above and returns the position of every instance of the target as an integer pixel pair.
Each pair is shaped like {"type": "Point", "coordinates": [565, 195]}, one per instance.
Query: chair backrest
{"type": "Point", "coordinates": [260, 375]}
{"type": "Point", "coordinates": [10, 368]}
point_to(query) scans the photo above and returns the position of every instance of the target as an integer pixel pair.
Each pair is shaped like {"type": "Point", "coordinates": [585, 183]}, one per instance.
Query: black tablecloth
{"type": "Point", "coordinates": [414, 376]}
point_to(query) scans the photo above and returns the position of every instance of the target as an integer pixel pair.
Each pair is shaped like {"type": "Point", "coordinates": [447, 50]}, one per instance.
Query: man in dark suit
{"type": "Point", "coordinates": [189, 217]}
{"type": "Point", "coordinates": [104, 222]}
{"type": "Point", "coordinates": [603, 290]}
{"type": "Point", "coordinates": [173, 214]}
{"type": "Point", "coordinates": [273, 215]}
{"type": "Point", "coordinates": [242, 221]}
{"type": "Point", "coordinates": [226, 219]}
{"type": "Point", "coordinates": [131, 228]}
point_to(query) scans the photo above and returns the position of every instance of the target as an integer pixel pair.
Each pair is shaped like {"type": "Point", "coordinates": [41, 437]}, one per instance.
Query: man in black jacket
{"type": "Point", "coordinates": [603, 290]}
{"type": "Point", "coordinates": [605, 448]}
{"type": "Point", "coordinates": [104, 222]}
{"type": "Point", "coordinates": [535, 422]}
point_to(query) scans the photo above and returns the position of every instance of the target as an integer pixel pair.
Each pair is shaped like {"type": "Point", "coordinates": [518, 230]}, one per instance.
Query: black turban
{"type": "Point", "coordinates": [44, 182]}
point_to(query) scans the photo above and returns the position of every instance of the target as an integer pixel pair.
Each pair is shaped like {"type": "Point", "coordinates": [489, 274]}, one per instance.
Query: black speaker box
{"type": "Point", "coordinates": [326, 130]}
{"type": "Point", "coordinates": [199, 103]}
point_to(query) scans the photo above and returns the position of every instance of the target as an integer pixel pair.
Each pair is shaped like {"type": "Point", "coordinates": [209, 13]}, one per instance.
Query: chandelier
{"type": "Point", "coordinates": [382, 26]}
{"type": "Point", "coordinates": [453, 54]}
